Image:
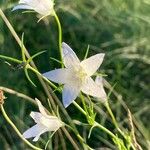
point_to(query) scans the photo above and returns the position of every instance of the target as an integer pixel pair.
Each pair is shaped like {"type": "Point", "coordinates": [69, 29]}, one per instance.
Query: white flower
{"type": "Point", "coordinates": [44, 123]}
{"type": "Point", "coordinates": [99, 82]}
{"type": "Point", "coordinates": [43, 7]}
{"type": "Point", "coordinates": [76, 75]}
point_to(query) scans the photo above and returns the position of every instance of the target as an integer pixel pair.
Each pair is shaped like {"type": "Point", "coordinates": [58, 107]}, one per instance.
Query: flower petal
{"type": "Point", "coordinates": [70, 93]}
{"type": "Point", "coordinates": [23, 1]}
{"type": "Point", "coordinates": [23, 6]}
{"type": "Point", "coordinates": [69, 57]}
{"type": "Point", "coordinates": [50, 122]}
{"type": "Point", "coordinates": [38, 117]}
{"type": "Point", "coordinates": [43, 7]}
{"type": "Point", "coordinates": [91, 88]}
{"type": "Point", "coordinates": [91, 64]}
{"type": "Point", "coordinates": [58, 75]}
{"type": "Point", "coordinates": [32, 3]}
{"type": "Point", "coordinates": [41, 108]}
{"type": "Point", "coordinates": [35, 131]}
{"type": "Point", "coordinates": [99, 82]}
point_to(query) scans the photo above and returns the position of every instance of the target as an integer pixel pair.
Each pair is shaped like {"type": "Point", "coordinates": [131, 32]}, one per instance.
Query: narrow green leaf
{"type": "Point", "coordinates": [11, 59]}
{"type": "Point", "coordinates": [22, 48]}
{"type": "Point", "coordinates": [100, 74]}
{"type": "Point", "coordinates": [35, 55]}
{"type": "Point", "coordinates": [87, 51]}
{"type": "Point", "coordinates": [56, 60]}
{"type": "Point", "coordinates": [91, 130]}
{"type": "Point", "coordinates": [28, 77]}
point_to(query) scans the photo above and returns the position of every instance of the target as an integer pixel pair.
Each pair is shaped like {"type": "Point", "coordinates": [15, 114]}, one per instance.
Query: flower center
{"type": "Point", "coordinates": [79, 75]}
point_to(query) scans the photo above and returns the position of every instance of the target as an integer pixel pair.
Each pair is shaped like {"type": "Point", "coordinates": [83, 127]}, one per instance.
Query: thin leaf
{"type": "Point", "coordinates": [22, 48]}
{"type": "Point", "coordinates": [100, 74]}
{"type": "Point", "coordinates": [111, 90]}
{"type": "Point", "coordinates": [11, 59]}
{"type": "Point", "coordinates": [28, 77]}
{"type": "Point", "coordinates": [56, 60]}
{"type": "Point", "coordinates": [49, 140]}
{"type": "Point", "coordinates": [87, 51]}
{"type": "Point", "coordinates": [41, 18]}
{"type": "Point", "coordinates": [91, 130]}
{"type": "Point", "coordinates": [35, 55]}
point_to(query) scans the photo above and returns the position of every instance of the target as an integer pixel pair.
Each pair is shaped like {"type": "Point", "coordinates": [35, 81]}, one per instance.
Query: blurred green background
{"type": "Point", "coordinates": [119, 28]}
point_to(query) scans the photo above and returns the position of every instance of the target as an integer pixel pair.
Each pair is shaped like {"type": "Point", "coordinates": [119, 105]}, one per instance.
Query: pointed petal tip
{"type": "Point", "coordinates": [25, 135]}
{"type": "Point", "coordinates": [63, 43]}
{"type": "Point", "coordinates": [37, 101]}
{"type": "Point", "coordinates": [65, 105]}
{"type": "Point", "coordinates": [101, 55]}
{"type": "Point", "coordinates": [36, 138]}
{"type": "Point", "coordinates": [68, 102]}
{"type": "Point", "coordinates": [41, 108]}
{"type": "Point", "coordinates": [32, 114]}
{"type": "Point", "coordinates": [14, 9]}
{"type": "Point", "coordinates": [22, 6]}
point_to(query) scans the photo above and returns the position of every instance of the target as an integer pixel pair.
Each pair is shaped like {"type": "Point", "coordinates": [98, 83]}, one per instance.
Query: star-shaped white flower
{"type": "Point", "coordinates": [43, 7]}
{"type": "Point", "coordinates": [44, 123]}
{"type": "Point", "coordinates": [76, 76]}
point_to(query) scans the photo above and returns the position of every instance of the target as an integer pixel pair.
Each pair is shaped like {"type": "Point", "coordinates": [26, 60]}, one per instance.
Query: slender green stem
{"type": "Point", "coordinates": [16, 130]}
{"type": "Point", "coordinates": [79, 108]}
{"type": "Point", "coordinates": [113, 118]}
{"type": "Point", "coordinates": [105, 130]}
{"type": "Point", "coordinates": [96, 123]}
{"type": "Point", "coordinates": [60, 36]}
{"type": "Point", "coordinates": [111, 113]}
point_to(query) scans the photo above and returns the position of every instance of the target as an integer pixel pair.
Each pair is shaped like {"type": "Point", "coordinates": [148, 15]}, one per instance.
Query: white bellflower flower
{"type": "Point", "coordinates": [44, 123]}
{"type": "Point", "coordinates": [43, 7]}
{"type": "Point", "coordinates": [76, 76]}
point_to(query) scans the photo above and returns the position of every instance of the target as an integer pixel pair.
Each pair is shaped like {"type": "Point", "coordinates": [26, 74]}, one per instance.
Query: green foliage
{"type": "Point", "coordinates": [120, 28]}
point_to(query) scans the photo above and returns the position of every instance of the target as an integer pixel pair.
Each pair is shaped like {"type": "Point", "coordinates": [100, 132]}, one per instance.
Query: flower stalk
{"type": "Point", "coordinates": [59, 36]}
{"type": "Point", "coordinates": [113, 118]}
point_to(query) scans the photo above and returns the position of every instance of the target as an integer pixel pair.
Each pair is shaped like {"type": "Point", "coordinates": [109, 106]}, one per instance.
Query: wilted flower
{"type": "Point", "coordinates": [76, 75]}
{"type": "Point", "coordinates": [44, 123]}
{"type": "Point", "coordinates": [43, 7]}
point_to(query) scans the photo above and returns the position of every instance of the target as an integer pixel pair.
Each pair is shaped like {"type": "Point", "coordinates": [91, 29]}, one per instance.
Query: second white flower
{"type": "Point", "coordinates": [43, 7]}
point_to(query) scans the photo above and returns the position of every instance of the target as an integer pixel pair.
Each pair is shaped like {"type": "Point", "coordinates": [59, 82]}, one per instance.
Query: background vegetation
{"type": "Point", "coordinates": [119, 28]}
